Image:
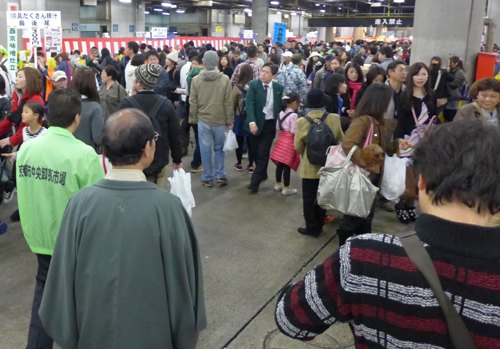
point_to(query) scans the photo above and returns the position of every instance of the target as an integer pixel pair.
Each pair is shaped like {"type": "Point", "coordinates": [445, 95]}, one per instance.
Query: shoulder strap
{"type": "Point", "coordinates": [325, 114]}
{"type": "Point", "coordinates": [419, 256]}
{"type": "Point", "coordinates": [308, 118]}
{"type": "Point", "coordinates": [134, 103]}
{"type": "Point", "coordinates": [438, 80]}
{"type": "Point", "coordinates": [369, 136]}
{"type": "Point", "coordinates": [159, 103]}
{"type": "Point", "coordinates": [282, 120]}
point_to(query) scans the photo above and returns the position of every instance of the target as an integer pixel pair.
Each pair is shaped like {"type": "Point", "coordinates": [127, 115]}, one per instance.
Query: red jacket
{"type": "Point", "coordinates": [5, 125]}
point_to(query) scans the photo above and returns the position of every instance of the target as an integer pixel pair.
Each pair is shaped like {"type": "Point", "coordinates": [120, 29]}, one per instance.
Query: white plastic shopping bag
{"type": "Point", "coordinates": [394, 180]}
{"type": "Point", "coordinates": [181, 187]}
{"type": "Point", "coordinates": [231, 143]}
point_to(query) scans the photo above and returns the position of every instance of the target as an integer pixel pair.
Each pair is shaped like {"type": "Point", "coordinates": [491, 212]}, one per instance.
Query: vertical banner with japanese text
{"type": "Point", "coordinates": [12, 49]}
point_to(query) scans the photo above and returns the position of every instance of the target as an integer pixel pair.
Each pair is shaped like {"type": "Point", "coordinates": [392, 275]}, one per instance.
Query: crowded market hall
{"type": "Point", "coordinates": [248, 174]}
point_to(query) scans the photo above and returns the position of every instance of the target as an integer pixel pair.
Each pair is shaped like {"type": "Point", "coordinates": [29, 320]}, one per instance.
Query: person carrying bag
{"type": "Point", "coordinates": [371, 134]}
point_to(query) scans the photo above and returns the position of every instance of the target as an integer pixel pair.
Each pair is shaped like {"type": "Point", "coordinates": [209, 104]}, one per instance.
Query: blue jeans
{"type": "Point", "coordinates": [211, 137]}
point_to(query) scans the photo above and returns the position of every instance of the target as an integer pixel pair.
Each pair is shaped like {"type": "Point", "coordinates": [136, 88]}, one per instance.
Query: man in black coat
{"type": "Point", "coordinates": [162, 113]}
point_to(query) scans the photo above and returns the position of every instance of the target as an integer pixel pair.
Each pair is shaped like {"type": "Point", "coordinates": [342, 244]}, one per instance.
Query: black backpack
{"type": "Point", "coordinates": [319, 138]}
{"type": "Point", "coordinates": [161, 154]}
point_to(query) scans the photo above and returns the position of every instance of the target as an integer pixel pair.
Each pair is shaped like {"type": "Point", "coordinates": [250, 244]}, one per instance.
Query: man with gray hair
{"type": "Point", "coordinates": [162, 114]}
{"type": "Point", "coordinates": [211, 105]}
{"type": "Point", "coordinates": [126, 269]}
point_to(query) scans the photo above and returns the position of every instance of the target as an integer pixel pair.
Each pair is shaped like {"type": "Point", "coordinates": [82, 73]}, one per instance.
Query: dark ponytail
{"type": "Point", "coordinates": [289, 98]}
{"type": "Point", "coordinates": [39, 109]}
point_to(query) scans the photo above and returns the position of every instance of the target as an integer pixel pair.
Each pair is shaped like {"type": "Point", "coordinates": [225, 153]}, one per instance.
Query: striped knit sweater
{"type": "Point", "coordinates": [372, 284]}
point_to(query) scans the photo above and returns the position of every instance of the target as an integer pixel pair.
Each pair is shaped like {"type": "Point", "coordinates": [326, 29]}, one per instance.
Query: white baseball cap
{"type": "Point", "coordinates": [58, 75]}
{"type": "Point", "coordinates": [287, 54]}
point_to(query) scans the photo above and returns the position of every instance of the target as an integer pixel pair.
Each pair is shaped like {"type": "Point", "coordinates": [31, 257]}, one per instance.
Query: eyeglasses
{"type": "Point", "coordinates": [156, 136]}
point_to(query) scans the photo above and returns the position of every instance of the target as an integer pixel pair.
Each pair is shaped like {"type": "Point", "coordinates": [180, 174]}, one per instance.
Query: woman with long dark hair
{"type": "Point", "coordinates": [457, 70]}
{"type": "Point", "coordinates": [238, 97]}
{"type": "Point", "coordinates": [417, 102]}
{"type": "Point", "coordinates": [376, 75]}
{"type": "Point", "coordinates": [91, 119]}
{"type": "Point", "coordinates": [439, 78]}
{"type": "Point", "coordinates": [354, 77]}
{"type": "Point", "coordinates": [335, 93]}
{"type": "Point", "coordinates": [371, 110]}
{"type": "Point", "coordinates": [225, 67]}
{"type": "Point", "coordinates": [345, 57]}
{"type": "Point", "coordinates": [105, 58]}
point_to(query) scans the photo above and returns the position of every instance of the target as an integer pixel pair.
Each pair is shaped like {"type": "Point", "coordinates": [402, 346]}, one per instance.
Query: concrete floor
{"type": "Point", "coordinates": [250, 250]}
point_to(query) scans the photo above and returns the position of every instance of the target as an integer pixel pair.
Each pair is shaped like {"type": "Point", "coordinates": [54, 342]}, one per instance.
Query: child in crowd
{"type": "Point", "coordinates": [284, 154]}
{"type": "Point", "coordinates": [33, 115]}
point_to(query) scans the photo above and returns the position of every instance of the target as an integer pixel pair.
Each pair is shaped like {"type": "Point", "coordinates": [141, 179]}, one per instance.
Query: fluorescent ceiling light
{"type": "Point", "coordinates": [376, 4]}
{"type": "Point", "coordinates": [166, 13]}
{"type": "Point", "coordinates": [318, 4]}
{"type": "Point", "coordinates": [322, 10]}
{"type": "Point", "coordinates": [275, 3]}
{"type": "Point", "coordinates": [180, 11]}
{"type": "Point", "coordinates": [126, 1]}
{"type": "Point", "coordinates": [173, 6]}
{"type": "Point", "coordinates": [278, 12]}
{"type": "Point", "coordinates": [399, 1]}
{"type": "Point", "coordinates": [166, 4]}
{"type": "Point", "coordinates": [340, 8]}
{"type": "Point", "coordinates": [294, 13]}
{"type": "Point", "coordinates": [158, 9]}
{"type": "Point", "coordinates": [146, 12]}
{"type": "Point", "coordinates": [248, 10]}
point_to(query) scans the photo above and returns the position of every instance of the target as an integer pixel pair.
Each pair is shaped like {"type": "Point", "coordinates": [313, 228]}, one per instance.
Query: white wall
{"type": "Point", "coordinates": [70, 13]}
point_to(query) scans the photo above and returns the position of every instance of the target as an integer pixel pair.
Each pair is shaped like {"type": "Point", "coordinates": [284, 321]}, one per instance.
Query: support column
{"type": "Point", "coordinates": [124, 15]}
{"type": "Point", "coordinates": [358, 34]}
{"type": "Point", "coordinates": [260, 13]}
{"type": "Point", "coordinates": [329, 34]}
{"type": "Point", "coordinates": [346, 32]}
{"type": "Point", "coordinates": [379, 31]}
{"type": "Point", "coordinates": [321, 34]}
{"type": "Point", "coordinates": [446, 36]}
{"type": "Point", "coordinates": [493, 12]}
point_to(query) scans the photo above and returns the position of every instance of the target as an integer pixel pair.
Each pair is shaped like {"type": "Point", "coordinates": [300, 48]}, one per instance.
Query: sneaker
{"type": "Point", "coordinates": [196, 170]}
{"type": "Point", "coordinates": [278, 187]}
{"type": "Point", "coordinates": [329, 218]}
{"type": "Point", "coordinates": [221, 181]}
{"type": "Point", "coordinates": [287, 192]}
{"type": "Point", "coordinates": [207, 183]}
{"type": "Point", "coordinates": [245, 156]}
{"type": "Point", "coordinates": [403, 216]}
{"type": "Point", "coordinates": [250, 169]}
{"type": "Point", "coordinates": [238, 167]}
{"type": "Point", "coordinates": [412, 214]}
{"type": "Point", "coordinates": [388, 206]}
{"type": "Point", "coordinates": [8, 196]}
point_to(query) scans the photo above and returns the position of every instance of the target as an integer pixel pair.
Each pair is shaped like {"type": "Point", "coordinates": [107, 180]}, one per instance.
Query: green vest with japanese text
{"type": "Point", "coordinates": [50, 170]}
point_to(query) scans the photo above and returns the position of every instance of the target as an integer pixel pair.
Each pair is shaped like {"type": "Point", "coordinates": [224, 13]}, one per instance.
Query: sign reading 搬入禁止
{"type": "Point", "coordinates": [31, 19]}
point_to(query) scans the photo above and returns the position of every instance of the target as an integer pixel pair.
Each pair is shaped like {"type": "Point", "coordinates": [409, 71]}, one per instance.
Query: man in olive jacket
{"type": "Point", "coordinates": [211, 106]}
{"type": "Point", "coordinates": [263, 105]}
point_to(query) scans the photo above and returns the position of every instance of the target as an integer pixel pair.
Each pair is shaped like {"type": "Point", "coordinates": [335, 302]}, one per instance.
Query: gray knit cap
{"type": "Point", "coordinates": [210, 60]}
{"type": "Point", "coordinates": [147, 75]}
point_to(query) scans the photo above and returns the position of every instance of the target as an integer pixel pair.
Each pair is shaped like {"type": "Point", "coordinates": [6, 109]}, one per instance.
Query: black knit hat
{"type": "Point", "coordinates": [315, 98]}
{"type": "Point", "coordinates": [147, 75]}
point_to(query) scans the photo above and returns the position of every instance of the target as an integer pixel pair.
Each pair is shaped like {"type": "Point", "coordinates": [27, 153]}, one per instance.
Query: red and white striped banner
{"type": "Point", "coordinates": [114, 44]}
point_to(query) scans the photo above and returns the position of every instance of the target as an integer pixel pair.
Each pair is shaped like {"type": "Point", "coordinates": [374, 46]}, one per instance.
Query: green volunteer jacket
{"type": "Point", "coordinates": [50, 170]}
{"type": "Point", "coordinates": [256, 101]}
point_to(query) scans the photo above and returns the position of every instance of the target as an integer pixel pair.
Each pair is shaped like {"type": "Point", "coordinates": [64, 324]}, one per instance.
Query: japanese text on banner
{"type": "Point", "coordinates": [279, 34]}
{"type": "Point", "coordinates": [29, 19]}
{"type": "Point", "coordinates": [12, 49]}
